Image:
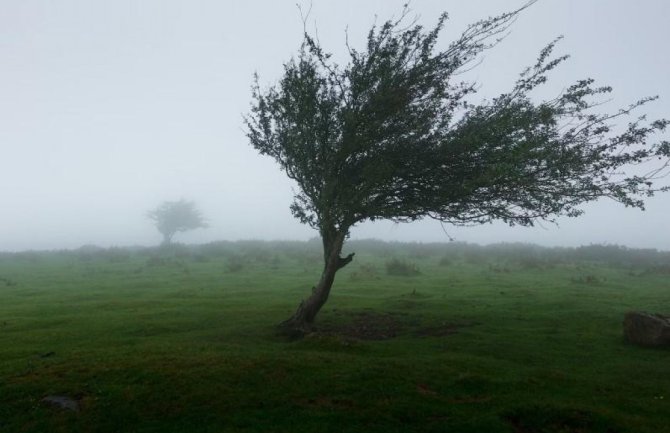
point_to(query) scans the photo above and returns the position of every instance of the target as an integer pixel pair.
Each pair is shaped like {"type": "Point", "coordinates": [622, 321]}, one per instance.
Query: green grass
{"type": "Point", "coordinates": [184, 341]}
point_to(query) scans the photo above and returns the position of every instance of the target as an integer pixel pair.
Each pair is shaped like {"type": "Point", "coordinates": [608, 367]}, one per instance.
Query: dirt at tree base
{"type": "Point", "coordinates": [371, 325]}
{"type": "Point", "coordinates": [363, 325]}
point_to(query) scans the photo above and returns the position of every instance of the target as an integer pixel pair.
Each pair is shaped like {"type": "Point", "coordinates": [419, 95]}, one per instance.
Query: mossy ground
{"type": "Point", "coordinates": [184, 341]}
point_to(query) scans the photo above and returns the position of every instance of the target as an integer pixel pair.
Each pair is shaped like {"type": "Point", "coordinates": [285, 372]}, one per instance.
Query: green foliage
{"type": "Point", "coordinates": [171, 217]}
{"type": "Point", "coordinates": [393, 134]}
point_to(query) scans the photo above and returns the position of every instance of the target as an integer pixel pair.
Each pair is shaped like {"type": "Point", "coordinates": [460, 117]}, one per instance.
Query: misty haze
{"type": "Point", "coordinates": [334, 216]}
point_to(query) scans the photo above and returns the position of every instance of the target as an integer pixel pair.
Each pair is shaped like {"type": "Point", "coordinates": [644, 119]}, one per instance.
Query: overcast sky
{"type": "Point", "coordinates": [108, 108]}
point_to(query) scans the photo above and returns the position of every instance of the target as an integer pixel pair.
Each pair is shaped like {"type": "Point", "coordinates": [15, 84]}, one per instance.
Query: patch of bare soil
{"type": "Point", "coordinates": [371, 325]}
{"type": "Point", "coordinates": [365, 325]}
{"type": "Point", "coordinates": [61, 402]}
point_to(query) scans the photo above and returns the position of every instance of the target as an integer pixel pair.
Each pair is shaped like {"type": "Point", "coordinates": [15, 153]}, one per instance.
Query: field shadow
{"type": "Point", "coordinates": [547, 419]}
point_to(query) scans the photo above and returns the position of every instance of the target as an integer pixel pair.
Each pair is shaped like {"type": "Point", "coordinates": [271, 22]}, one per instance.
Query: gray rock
{"type": "Point", "coordinates": [645, 329]}
{"type": "Point", "coordinates": [61, 402]}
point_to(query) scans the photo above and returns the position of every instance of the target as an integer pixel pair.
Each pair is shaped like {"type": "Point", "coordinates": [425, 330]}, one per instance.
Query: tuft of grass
{"type": "Point", "coordinates": [402, 268]}
{"type": "Point", "coordinates": [236, 263]}
{"type": "Point", "coordinates": [364, 271]}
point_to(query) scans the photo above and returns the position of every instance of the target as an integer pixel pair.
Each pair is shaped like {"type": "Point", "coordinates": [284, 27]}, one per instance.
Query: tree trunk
{"type": "Point", "coordinates": [302, 321]}
{"type": "Point", "coordinates": [167, 238]}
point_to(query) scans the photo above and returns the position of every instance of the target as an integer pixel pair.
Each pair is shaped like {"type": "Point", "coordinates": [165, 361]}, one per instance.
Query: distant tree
{"type": "Point", "coordinates": [171, 217]}
{"type": "Point", "coordinates": [394, 135]}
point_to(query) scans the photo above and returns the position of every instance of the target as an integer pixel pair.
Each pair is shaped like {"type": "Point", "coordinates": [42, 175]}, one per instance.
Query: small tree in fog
{"type": "Point", "coordinates": [171, 217]}
{"type": "Point", "coordinates": [393, 134]}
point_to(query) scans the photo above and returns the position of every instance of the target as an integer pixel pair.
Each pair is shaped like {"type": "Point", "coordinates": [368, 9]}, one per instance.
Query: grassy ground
{"type": "Point", "coordinates": [444, 340]}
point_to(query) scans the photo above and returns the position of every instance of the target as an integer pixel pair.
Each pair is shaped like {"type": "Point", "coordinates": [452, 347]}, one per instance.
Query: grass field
{"type": "Point", "coordinates": [415, 338]}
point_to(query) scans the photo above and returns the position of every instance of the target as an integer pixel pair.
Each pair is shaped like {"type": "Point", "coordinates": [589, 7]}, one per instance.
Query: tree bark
{"type": "Point", "coordinates": [302, 321]}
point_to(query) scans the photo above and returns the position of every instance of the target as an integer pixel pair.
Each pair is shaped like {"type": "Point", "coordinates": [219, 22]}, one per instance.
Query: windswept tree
{"type": "Point", "coordinates": [394, 134]}
{"type": "Point", "coordinates": [171, 217]}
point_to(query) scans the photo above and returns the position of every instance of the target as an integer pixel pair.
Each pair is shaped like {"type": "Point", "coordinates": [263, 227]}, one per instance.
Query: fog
{"type": "Point", "coordinates": [109, 108]}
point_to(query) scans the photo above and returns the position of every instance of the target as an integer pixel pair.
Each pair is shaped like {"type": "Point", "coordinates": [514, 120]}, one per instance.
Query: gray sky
{"type": "Point", "coordinates": [108, 108]}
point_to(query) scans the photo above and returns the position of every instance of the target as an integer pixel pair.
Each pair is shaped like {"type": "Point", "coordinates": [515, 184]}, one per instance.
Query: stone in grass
{"type": "Point", "coordinates": [61, 402]}
{"type": "Point", "coordinates": [645, 329]}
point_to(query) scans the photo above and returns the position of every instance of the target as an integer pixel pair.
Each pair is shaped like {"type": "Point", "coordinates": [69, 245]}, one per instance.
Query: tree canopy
{"type": "Point", "coordinates": [396, 134]}
{"type": "Point", "coordinates": [171, 217]}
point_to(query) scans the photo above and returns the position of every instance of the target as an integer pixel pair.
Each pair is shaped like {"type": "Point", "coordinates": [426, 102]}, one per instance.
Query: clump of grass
{"type": "Point", "coordinates": [7, 281]}
{"type": "Point", "coordinates": [116, 255]}
{"type": "Point", "coordinates": [499, 269]}
{"type": "Point", "coordinates": [531, 262]}
{"type": "Point", "coordinates": [402, 268]}
{"type": "Point", "coordinates": [155, 261]}
{"type": "Point", "coordinates": [31, 257]}
{"type": "Point", "coordinates": [161, 262]}
{"type": "Point", "coordinates": [275, 262]}
{"type": "Point", "coordinates": [214, 250]}
{"type": "Point", "coordinates": [475, 257]}
{"type": "Point", "coordinates": [200, 258]}
{"type": "Point", "coordinates": [659, 270]}
{"type": "Point", "coordinates": [365, 271]}
{"type": "Point", "coordinates": [235, 263]}
{"type": "Point", "coordinates": [587, 279]}
{"type": "Point", "coordinates": [176, 250]}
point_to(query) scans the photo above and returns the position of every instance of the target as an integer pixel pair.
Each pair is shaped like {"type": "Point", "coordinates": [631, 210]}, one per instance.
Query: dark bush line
{"type": "Point", "coordinates": [269, 253]}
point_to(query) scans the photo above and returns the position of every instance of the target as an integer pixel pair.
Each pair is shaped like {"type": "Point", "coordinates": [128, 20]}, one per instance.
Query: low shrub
{"type": "Point", "coordinates": [235, 263]}
{"type": "Point", "coordinates": [401, 268]}
{"type": "Point", "coordinates": [365, 271]}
